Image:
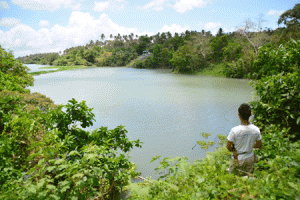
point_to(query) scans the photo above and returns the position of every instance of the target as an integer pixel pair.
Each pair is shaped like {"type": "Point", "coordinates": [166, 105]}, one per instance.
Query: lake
{"type": "Point", "coordinates": [166, 111]}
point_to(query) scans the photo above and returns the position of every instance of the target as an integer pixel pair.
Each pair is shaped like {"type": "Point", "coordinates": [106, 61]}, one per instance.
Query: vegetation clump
{"type": "Point", "coordinates": [43, 152]}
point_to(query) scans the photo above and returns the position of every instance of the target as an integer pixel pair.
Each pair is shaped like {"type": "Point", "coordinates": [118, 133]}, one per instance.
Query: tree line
{"type": "Point", "coordinates": [186, 52]}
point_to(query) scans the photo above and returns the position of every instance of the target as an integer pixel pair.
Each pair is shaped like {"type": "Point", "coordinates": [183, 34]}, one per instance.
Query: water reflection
{"type": "Point", "coordinates": [36, 68]}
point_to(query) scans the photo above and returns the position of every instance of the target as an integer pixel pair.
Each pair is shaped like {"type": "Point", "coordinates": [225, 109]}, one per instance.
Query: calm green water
{"type": "Point", "coordinates": [165, 111]}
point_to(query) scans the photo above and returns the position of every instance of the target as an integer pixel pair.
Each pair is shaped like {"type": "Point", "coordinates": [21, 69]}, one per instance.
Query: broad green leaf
{"type": "Point", "coordinates": [200, 180]}
{"type": "Point", "coordinates": [79, 175]}
{"type": "Point", "coordinates": [58, 161]}
{"type": "Point", "coordinates": [54, 196]}
{"type": "Point", "coordinates": [50, 187]}
{"type": "Point", "coordinates": [293, 185]}
{"type": "Point", "coordinates": [32, 189]}
{"type": "Point", "coordinates": [155, 158]}
{"type": "Point", "coordinates": [49, 169]}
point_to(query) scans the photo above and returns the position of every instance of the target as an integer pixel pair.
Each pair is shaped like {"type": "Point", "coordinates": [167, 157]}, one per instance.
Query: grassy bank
{"type": "Point", "coordinates": [213, 70]}
{"type": "Point", "coordinates": [59, 68]}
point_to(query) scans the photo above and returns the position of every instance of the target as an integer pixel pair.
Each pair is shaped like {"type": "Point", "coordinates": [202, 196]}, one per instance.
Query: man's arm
{"type": "Point", "coordinates": [258, 144]}
{"type": "Point", "coordinates": [230, 146]}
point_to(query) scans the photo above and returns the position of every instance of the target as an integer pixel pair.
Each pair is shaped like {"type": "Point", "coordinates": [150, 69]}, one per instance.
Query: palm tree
{"type": "Point", "coordinates": [169, 35]}
{"type": "Point", "coordinates": [102, 36]}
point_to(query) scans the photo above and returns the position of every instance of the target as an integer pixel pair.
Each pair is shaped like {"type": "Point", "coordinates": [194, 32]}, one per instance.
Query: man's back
{"type": "Point", "coordinates": [244, 138]}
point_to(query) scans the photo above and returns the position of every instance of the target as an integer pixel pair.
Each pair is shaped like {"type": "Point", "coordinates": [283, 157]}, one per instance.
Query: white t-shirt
{"type": "Point", "coordinates": [244, 138]}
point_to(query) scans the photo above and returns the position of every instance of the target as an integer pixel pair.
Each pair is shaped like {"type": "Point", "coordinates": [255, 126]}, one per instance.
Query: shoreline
{"type": "Point", "coordinates": [215, 71]}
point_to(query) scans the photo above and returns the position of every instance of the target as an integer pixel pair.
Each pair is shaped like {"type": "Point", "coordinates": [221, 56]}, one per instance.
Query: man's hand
{"type": "Point", "coordinates": [258, 144]}
{"type": "Point", "coordinates": [230, 146]}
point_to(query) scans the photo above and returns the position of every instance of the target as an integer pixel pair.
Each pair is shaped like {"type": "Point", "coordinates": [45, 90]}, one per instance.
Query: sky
{"type": "Point", "coordinates": [42, 26]}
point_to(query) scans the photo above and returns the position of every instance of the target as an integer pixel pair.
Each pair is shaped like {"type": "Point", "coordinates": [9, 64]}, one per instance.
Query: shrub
{"type": "Point", "coordinates": [138, 64]}
{"type": "Point", "coordinates": [274, 60]}
{"type": "Point", "coordinates": [279, 100]}
{"type": "Point", "coordinates": [66, 162]}
{"type": "Point", "coordinates": [232, 52]}
{"type": "Point", "coordinates": [44, 155]}
{"type": "Point", "coordinates": [235, 69]}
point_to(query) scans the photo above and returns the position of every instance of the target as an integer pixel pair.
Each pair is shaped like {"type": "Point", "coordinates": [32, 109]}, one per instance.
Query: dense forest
{"type": "Point", "coordinates": [41, 58]}
{"type": "Point", "coordinates": [42, 157]}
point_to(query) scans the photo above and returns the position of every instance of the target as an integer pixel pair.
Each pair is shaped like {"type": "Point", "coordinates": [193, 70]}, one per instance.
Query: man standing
{"type": "Point", "coordinates": [241, 141]}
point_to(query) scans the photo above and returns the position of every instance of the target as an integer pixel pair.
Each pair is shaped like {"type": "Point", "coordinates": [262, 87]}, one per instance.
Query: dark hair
{"type": "Point", "coordinates": [245, 111]}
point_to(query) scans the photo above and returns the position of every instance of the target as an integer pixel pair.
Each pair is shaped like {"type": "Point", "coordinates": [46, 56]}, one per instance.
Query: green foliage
{"type": "Point", "coordinates": [44, 155]}
{"type": "Point", "coordinates": [237, 69]}
{"type": "Point", "coordinates": [8, 65]}
{"type": "Point", "coordinates": [89, 55]}
{"type": "Point", "coordinates": [291, 18]}
{"type": "Point", "coordinates": [273, 60]}
{"type": "Point", "coordinates": [43, 58]}
{"type": "Point", "coordinates": [60, 62]}
{"type": "Point", "coordinates": [208, 179]}
{"type": "Point", "coordinates": [278, 103]}
{"type": "Point", "coordinates": [217, 44]}
{"type": "Point", "coordinates": [142, 45]}
{"type": "Point", "coordinates": [12, 83]}
{"type": "Point", "coordinates": [66, 162]}
{"type": "Point", "coordinates": [182, 60]}
{"type": "Point", "coordinates": [232, 51]}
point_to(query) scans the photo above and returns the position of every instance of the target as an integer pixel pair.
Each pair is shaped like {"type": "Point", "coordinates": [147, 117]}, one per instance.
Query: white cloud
{"type": "Point", "coordinates": [227, 30]}
{"type": "Point", "coordinates": [82, 28]}
{"type": "Point", "coordinates": [186, 5]}
{"type": "Point", "coordinates": [174, 28]}
{"type": "Point", "coordinates": [46, 4]}
{"type": "Point", "coordinates": [101, 6]}
{"type": "Point", "coordinates": [4, 5]}
{"type": "Point", "coordinates": [275, 12]}
{"type": "Point", "coordinates": [212, 27]}
{"type": "Point", "coordinates": [9, 22]}
{"type": "Point", "coordinates": [159, 8]}
{"type": "Point", "coordinates": [110, 4]}
{"type": "Point", "coordinates": [44, 23]}
{"type": "Point", "coordinates": [180, 5]}
{"type": "Point", "coordinates": [156, 5]}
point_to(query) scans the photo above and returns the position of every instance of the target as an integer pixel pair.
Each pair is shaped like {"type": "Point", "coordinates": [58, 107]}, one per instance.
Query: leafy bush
{"type": "Point", "coordinates": [232, 51]}
{"type": "Point", "coordinates": [276, 175]}
{"type": "Point", "coordinates": [60, 62]}
{"type": "Point", "coordinates": [242, 68]}
{"type": "Point", "coordinates": [66, 162]}
{"type": "Point", "coordinates": [14, 67]}
{"type": "Point", "coordinates": [182, 60]}
{"type": "Point", "coordinates": [235, 69]}
{"type": "Point", "coordinates": [44, 155]}
{"type": "Point", "coordinates": [138, 64]}
{"type": "Point", "coordinates": [274, 60]}
{"type": "Point", "coordinates": [279, 100]}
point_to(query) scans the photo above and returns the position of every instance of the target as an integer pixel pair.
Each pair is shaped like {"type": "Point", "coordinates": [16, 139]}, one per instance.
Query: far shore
{"type": "Point", "coordinates": [215, 70]}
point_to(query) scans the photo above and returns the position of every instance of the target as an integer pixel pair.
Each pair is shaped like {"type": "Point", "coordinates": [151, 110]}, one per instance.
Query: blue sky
{"type": "Point", "coordinates": [39, 26]}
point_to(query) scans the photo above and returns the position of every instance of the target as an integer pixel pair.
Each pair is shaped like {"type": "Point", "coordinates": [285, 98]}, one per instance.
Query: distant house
{"type": "Point", "coordinates": [146, 52]}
